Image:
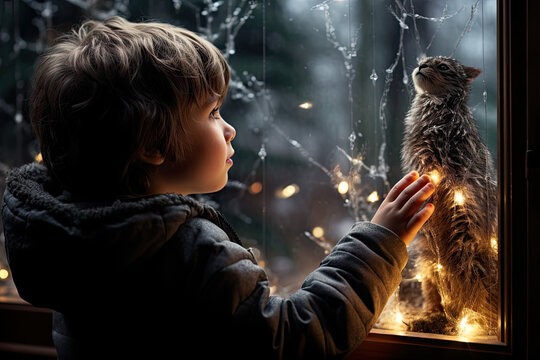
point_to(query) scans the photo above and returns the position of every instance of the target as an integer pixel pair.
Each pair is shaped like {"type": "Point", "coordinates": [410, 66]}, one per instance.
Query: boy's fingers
{"type": "Point", "coordinates": [411, 190]}
{"type": "Point", "coordinates": [418, 220]}
{"type": "Point", "coordinates": [416, 201]}
{"type": "Point", "coordinates": [401, 185]}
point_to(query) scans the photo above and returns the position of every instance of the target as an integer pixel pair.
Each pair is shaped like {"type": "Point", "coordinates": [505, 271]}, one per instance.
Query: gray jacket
{"type": "Point", "coordinates": [164, 276]}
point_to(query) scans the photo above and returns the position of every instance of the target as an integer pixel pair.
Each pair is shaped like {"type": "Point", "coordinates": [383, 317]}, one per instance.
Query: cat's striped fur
{"type": "Point", "coordinates": [457, 246]}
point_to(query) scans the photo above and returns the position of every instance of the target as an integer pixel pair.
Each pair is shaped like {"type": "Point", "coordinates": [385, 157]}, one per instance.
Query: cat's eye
{"type": "Point", "coordinates": [442, 67]}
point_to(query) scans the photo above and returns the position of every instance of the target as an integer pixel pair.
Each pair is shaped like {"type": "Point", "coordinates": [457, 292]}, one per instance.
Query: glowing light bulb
{"type": "Point", "coordinates": [39, 158]}
{"type": "Point", "coordinates": [399, 317]}
{"type": "Point", "coordinates": [287, 191]}
{"type": "Point", "coordinates": [435, 177]}
{"type": "Point", "coordinates": [463, 324]}
{"type": "Point", "coordinates": [494, 244]}
{"type": "Point", "coordinates": [3, 274]}
{"type": "Point", "coordinates": [255, 188]}
{"type": "Point", "coordinates": [459, 198]}
{"type": "Point", "coordinates": [343, 187]}
{"type": "Point", "coordinates": [306, 105]}
{"type": "Point", "coordinates": [318, 232]}
{"type": "Point", "coordinates": [468, 325]}
{"type": "Point", "coordinates": [418, 277]}
{"type": "Point", "coordinates": [438, 267]}
{"type": "Point", "coordinates": [373, 197]}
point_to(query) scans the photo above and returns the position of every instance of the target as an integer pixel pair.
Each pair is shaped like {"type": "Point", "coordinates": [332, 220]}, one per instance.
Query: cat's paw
{"type": "Point", "coordinates": [431, 322]}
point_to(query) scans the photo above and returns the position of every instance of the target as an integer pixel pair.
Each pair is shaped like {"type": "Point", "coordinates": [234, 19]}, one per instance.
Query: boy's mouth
{"type": "Point", "coordinates": [229, 158]}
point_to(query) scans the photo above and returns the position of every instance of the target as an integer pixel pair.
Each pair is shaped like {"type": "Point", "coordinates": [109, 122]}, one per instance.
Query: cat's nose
{"type": "Point", "coordinates": [422, 66]}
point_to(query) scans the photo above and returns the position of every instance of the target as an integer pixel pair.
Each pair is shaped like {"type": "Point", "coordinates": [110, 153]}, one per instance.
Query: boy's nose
{"type": "Point", "coordinates": [230, 132]}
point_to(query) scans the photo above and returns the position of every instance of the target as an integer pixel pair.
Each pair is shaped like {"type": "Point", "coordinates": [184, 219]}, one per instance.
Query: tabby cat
{"type": "Point", "coordinates": [458, 244]}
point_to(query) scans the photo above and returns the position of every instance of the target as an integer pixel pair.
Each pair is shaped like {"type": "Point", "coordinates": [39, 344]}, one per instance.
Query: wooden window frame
{"type": "Point", "coordinates": [23, 328]}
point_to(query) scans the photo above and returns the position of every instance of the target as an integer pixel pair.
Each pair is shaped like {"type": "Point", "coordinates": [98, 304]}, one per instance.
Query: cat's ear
{"type": "Point", "coordinates": [471, 72]}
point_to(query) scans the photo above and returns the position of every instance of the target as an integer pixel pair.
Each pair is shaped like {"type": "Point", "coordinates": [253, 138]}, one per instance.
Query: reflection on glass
{"type": "Point", "coordinates": [319, 95]}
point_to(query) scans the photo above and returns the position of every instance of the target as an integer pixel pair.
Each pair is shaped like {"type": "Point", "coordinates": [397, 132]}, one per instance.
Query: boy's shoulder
{"type": "Point", "coordinates": [206, 229]}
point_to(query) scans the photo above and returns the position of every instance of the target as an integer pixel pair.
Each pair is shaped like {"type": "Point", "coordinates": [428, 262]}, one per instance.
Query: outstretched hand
{"type": "Point", "coordinates": [400, 211]}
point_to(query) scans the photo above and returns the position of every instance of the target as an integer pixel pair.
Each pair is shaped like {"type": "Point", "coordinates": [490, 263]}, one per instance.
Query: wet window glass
{"type": "Point", "coordinates": [326, 100]}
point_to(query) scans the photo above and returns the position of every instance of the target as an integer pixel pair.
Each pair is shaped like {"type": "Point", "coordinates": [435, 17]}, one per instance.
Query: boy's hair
{"type": "Point", "coordinates": [109, 91]}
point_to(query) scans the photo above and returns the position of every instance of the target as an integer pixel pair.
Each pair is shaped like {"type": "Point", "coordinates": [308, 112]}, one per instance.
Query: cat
{"type": "Point", "coordinates": [458, 258]}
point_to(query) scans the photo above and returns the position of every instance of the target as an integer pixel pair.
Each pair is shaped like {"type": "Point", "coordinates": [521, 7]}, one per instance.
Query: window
{"type": "Point", "coordinates": [319, 94]}
{"type": "Point", "coordinates": [328, 131]}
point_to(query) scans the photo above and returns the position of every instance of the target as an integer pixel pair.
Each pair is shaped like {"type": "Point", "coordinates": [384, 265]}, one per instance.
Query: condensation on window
{"type": "Point", "coordinates": [318, 95]}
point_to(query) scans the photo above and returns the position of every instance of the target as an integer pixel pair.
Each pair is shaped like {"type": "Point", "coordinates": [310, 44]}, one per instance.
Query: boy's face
{"type": "Point", "coordinates": [208, 157]}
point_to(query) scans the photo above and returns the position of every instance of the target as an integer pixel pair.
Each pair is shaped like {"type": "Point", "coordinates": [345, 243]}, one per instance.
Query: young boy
{"type": "Point", "coordinates": [127, 116]}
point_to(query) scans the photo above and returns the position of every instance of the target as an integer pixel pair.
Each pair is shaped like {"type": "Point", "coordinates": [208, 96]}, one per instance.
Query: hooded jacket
{"type": "Point", "coordinates": [165, 276]}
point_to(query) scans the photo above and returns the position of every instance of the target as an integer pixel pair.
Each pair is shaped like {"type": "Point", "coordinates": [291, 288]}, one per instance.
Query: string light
{"type": "Point", "coordinates": [287, 191]}
{"type": "Point", "coordinates": [38, 158]}
{"type": "Point", "coordinates": [463, 324]}
{"type": "Point", "coordinates": [399, 318]}
{"type": "Point", "coordinates": [255, 188]}
{"type": "Point", "coordinates": [435, 177]}
{"type": "Point", "coordinates": [343, 187]}
{"type": "Point", "coordinates": [3, 274]}
{"type": "Point", "coordinates": [318, 232]}
{"type": "Point", "coordinates": [469, 324]}
{"type": "Point", "coordinates": [373, 197]}
{"type": "Point", "coordinates": [305, 106]}
{"type": "Point", "coordinates": [494, 244]}
{"type": "Point", "coordinates": [459, 198]}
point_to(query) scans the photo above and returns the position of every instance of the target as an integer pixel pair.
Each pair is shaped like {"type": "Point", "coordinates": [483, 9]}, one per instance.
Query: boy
{"type": "Point", "coordinates": [127, 116]}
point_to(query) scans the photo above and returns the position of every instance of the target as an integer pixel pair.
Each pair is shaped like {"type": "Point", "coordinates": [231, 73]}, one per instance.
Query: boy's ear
{"type": "Point", "coordinates": [471, 72]}
{"type": "Point", "coordinates": [152, 157]}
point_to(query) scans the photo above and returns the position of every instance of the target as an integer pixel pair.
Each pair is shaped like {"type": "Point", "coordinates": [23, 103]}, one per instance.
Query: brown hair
{"type": "Point", "coordinates": [108, 91]}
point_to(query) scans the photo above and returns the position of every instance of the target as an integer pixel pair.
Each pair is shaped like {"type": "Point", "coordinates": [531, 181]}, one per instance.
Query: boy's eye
{"type": "Point", "coordinates": [215, 113]}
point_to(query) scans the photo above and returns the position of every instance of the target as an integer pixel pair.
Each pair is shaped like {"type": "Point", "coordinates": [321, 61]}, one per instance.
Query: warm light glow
{"type": "Point", "coordinates": [459, 198]}
{"type": "Point", "coordinates": [373, 197]}
{"type": "Point", "coordinates": [318, 232]}
{"type": "Point", "coordinates": [494, 244]}
{"type": "Point", "coordinates": [435, 177]}
{"type": "Point", "coordinates": [463, 324]}
{"type": "Point", "coordinates": [39, 158]}
{"type": "Point", "coordinates": [3, 274]}
{"type": "Point", "coordinates": [438, 267]}
{"type": "Point", "coordinates": [343, 187]}
{"type": "Point", "coordinates": [287, 191]}
{"type": "Point", "coordinates": [399, 317]}
{"type": "Point", "coordinates": [418, 277]}
{"type": "Point", "coordinates": [468, 325]}
{"type": "Point", "coordinates": [305, 106]}
{"type": "Point", "coordinates": [255, 188]}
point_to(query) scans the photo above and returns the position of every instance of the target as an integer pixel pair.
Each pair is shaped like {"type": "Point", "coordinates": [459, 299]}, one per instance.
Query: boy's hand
{"type": "Point", "coordinates": [399, 211]}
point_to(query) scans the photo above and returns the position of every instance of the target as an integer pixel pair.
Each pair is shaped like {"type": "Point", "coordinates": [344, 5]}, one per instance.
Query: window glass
{"type": "Point", "coordinates": [319, 95]}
